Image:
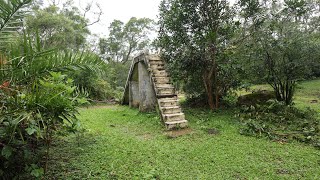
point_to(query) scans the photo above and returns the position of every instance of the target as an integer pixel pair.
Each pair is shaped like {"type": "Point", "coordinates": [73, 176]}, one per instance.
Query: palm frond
{"type": "Point", "coordinates": [11, 18]}
{"type": "Point", "coordinates": [27, 61]}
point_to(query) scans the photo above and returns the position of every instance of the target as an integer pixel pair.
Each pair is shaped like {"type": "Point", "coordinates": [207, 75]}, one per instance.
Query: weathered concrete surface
{"type": "Point", "coordinates": [148, 85]}
{"type": "Point", "coordinates": [148, 98]}
{"type": "Point", "coordinates": [139, 91]}
{"type": "Point", "coordinates": [134, 99]}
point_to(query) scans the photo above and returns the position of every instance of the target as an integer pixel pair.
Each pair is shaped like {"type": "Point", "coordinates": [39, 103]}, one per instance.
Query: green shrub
{"type": "Point", "coordinates": [32, 108]}
{"type": "Point", "coordinates": [280, 122]}
{"type": "Point", "coordinates": [199, 101]}
{"type": "Point", "coordinates": [257, 97]}
{"type": "Point", "coordinates": [29, 118]}
{"type": "Point", "coordinates": [230, 99]}
{"type": "Point", "coordinates": [101, 90]}
{"type": "Point", "coordinates": [94, 84]}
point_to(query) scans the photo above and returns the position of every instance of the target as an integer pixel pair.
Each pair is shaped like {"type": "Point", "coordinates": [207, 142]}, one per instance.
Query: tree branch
{"type": "Point", "coordinates": [98, 18]}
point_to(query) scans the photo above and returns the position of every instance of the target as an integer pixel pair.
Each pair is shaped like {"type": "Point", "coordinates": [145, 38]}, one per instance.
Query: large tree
{"type": "Point", "coordinates": [281, 42]}
{"type": "Point", "coordinates": [64, 28]}
{"type": "Point", "coordinates": [126, 39]}
{"type": "Point", "coordinates": [197, 40]}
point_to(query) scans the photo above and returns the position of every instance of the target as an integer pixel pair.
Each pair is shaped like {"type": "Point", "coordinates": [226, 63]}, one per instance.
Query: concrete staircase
{"type": "Point", "coordinates": [171, 113]}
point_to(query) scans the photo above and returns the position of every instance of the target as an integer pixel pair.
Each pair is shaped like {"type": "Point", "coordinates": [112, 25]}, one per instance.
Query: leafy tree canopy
{"type": "Point", "coordinates": [197, 38]}
{"type": "Point", "coordinates": [280, 42]}
{"type": "Point", "coordinates": [64, 28]}
{"type": "Point", "coordinates": [126, 39]}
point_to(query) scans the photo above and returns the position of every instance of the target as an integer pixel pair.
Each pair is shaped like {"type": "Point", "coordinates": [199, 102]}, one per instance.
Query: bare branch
{"type": "Point", "coordinates": [98, 16]}
{"type": "Point", "coordinates": [86, 9]}
{"type": "Point", "coordinates": [55, 2]}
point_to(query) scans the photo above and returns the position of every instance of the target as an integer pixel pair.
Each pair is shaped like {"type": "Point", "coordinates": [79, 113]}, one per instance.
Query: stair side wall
{"type": "Point", "coordinates": [148, 100]}
{"type": "Point", "coordinates": [134, 99]}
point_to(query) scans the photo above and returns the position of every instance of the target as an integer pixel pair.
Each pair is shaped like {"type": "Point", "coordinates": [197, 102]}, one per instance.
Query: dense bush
{"type": "Point", "coordinates": [35, 104]}
{"type": "Point", "coordinates": [199, 101]}
{"type": "Point", "coordinates": [280, 122]}
{"type": "Point", "coordinates": [93, 83]}
{"type": "Point", "coordinates": [257, 97]}
{"type": "Point", "coordinates": [230, 99]}
{"type": "Point", "coordinates": [28, 120]}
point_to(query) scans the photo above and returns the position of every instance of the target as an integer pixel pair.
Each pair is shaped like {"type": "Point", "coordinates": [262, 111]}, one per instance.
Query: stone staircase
{"type": "Point", "coordinates": [171, 113]}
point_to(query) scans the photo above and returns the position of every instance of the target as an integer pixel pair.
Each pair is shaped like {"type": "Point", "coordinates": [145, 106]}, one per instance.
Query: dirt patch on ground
{"type": "Point", "coordinates": [213, 131]}
{"type": "Point", "coordinates": [282, 171]}
{"type": "Point", "coordinates": [179, 132]}
{"type": "Point", "coordinates": [314, 101]}
{"type": "Point", "coordinates": [134, 132]}
{"type": "Point", "coordinates": [107, 106]}
{"type": "Point", "coordinates": [146, 136]}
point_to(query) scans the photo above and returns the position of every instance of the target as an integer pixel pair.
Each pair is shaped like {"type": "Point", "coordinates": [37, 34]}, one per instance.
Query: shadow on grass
{"type": "Point", "coordinates": [66, 149]}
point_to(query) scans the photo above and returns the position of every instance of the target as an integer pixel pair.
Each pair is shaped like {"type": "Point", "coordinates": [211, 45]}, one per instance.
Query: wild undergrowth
{"type": "Point", "coordinates": [281, 122]}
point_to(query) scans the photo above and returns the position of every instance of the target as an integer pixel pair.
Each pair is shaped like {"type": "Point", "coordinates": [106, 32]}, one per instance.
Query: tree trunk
{"type": "Point", "coordinates": [208, 80]}
{"type": "Point", "coordinates": [216, 93]}
{"type": "Point", "coordinates": [210, 97]}
{"type": "Point", "coordinates": [128, 55]}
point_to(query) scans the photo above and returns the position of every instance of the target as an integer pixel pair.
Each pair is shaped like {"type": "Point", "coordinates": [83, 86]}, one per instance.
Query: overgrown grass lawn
{"type": "Point", "coordinates": [308, 95]}
{"type": "Point", "coordinates": [121, 143]}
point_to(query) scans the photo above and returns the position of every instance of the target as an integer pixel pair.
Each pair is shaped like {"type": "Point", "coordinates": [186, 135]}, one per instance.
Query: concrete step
{"type": "Point", "coordinates": [171, 109]}
{"type": "Point", "coordinates": [165, 95]}
{"type": "Point", "coordinates": [156, 62]}
{"type": "Point", "coordinates": [164, 85]}
{"type": "Point", "coordinates": [154, 57]}
{"type": "Point", "coordinates": [161, 80]}
{"type": "Point", "coordinates": [162, 73]}
{"type": "Point", "coordinates": [176, 124]}
{"type": "Point", "coordinates": [166, 90]}
{"type": "Point", "coordinates": [166, 102]}
{"type": "Point", "coordinates": [166, 99]}
{"type": "Point", "coordinates": [173, 117]}
{"type": "Point", "coordinates": [161, 84]}
{"type": "Point", "coordinates": [157, 66]}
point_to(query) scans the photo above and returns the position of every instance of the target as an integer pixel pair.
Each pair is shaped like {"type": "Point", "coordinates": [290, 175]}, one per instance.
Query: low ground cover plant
{"type": "Point", "coordinates": [280, 122]}
{"type": "Point", "coordinates": [30, 118]}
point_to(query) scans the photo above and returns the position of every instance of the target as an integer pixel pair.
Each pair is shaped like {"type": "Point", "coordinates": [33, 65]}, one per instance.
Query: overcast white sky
{"type": "Point", "coordinates": [122, 10]}
{"type": "Point", "coordinates": [118, 9]}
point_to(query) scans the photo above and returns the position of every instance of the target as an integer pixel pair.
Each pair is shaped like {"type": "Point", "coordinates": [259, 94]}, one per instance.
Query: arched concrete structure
{"type": "Point", "coordinates": [148, 86]}
{"type": "Point", "coordinates": [139, 90]}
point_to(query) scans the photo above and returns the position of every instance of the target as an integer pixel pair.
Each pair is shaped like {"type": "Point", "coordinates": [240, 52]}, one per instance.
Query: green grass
{"type": "Point", "coordinates": [306, 92]}
{"type": "Point", "coordinates": [121, 143]}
